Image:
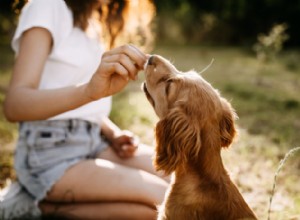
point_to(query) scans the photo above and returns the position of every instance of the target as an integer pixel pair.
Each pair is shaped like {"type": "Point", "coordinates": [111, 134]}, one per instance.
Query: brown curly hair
{"type": "Point", "coordinates": [122, 21]}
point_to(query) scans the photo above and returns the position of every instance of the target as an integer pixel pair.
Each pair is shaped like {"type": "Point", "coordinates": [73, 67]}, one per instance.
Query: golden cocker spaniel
{"type": "Point", "coordinates": [195, 123]}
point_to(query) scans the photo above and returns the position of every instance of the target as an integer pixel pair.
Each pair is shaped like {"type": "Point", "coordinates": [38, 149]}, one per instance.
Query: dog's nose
{"type": "Point", "coordinates": [151, 60]}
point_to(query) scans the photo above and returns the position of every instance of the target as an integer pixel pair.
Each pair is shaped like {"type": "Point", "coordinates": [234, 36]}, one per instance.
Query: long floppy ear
{"type": "Point", "coordinates": [177, 141]}
{"type": "Point", "coordinates": [227, 125]}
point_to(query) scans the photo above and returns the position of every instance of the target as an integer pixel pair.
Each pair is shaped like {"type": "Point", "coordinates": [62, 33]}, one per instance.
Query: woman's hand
{"type": "Point", "coordinates": [116, 68]}
{"type": "Point", "coordinates": [125, 144]}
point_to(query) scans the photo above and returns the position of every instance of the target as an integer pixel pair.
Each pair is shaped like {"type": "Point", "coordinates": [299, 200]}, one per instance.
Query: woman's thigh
{"type": "Point", "coordinates": [142, 159]}
{"type": "Point", "coordinates": [101, 180]}
{"type": "Point", "coordinates": [110, 210]}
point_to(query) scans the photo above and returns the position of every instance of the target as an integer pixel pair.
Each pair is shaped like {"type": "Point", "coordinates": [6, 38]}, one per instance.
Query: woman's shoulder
{"type": "Point", "coordinates": [46, 3]}
{"type": "Point", "coordinates": [46, 13]}
{"type": "Point", "coordinates": [53, 15]}
{"type": "Point", "coordinates": [45, 8]}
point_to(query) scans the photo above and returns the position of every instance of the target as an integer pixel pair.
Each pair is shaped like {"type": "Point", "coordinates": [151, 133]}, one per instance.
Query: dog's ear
{"type": "Point", "coordinates": [177, 141]}
{"type": "Point", "coordinates": [227, 125]}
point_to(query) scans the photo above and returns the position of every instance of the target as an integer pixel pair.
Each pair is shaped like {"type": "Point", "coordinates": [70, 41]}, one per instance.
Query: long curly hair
{"type": "Point", "coordinates": [121, 21]}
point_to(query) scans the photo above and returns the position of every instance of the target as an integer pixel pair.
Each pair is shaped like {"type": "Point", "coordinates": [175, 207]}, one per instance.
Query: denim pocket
{"type": "Point", "coordinates": [46, 137]}
{"type": "Point", "coordinates": [44, 146]}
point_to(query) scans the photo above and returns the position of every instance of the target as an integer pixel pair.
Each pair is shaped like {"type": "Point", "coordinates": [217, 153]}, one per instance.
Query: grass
{"type": "Point", "coordinates": [265, 96]}
{"type": "Point", "coordinates": [7, 130]}
{"type": "Point", "coordinates": [281, 165]}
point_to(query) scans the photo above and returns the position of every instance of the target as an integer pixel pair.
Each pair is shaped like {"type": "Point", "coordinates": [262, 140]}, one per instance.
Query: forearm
{"type": "Point", "coordinates": [109, 129]}
{"type": "Point", "coordinates": [123, 142]}
{"type": "Point", "coordinates": [25, 101]}
{"type": "Point", "coordinates": [26, 104]}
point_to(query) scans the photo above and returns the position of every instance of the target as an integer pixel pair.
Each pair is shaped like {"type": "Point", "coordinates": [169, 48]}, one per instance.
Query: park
{"type": "Point", "coordinates": [251, 49]}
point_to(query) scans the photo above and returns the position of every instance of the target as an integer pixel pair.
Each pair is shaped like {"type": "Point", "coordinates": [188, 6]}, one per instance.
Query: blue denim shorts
{"type": "Point", "coordinates": [45, 149]}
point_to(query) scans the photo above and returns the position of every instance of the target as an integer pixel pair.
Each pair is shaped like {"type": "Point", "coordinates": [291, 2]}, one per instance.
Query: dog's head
{"type": "Point", "coordinates": [192, 114]}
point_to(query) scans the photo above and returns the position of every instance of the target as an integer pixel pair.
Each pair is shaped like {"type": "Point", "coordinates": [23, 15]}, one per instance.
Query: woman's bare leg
{"type": "Point", "coordinates": [142, 160]}
{"type": "Point", "coordinates": [105, 181]}
{"type": "Point", "coordinates": [108, 188]}
{"type": "Point", "coordinates": [87, 211]}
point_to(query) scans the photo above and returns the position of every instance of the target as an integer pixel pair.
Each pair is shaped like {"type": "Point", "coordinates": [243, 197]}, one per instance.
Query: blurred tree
{"type": "Point", "coordinates": [215, 21]}
{"type": "Point", "coordinates": [242, 20]}
{"type": "Point", "coordinates": [5, 6]}
{"type": "Point", "coordinates": [6, 19]}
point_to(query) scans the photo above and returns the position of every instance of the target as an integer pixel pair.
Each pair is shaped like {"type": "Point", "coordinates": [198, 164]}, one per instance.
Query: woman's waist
{"type": "Point", "coordinates": [92, 112]}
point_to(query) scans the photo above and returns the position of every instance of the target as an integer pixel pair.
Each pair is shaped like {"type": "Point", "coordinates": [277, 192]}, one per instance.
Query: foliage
{"type": "Point", "coordinates": [236, 21]}
{"type": "Point", "coordinates": [281, 165]}
{"type": "Point", "coordinates": [207, 21]}
{"type": "Point", "coordinates": [268, 46]}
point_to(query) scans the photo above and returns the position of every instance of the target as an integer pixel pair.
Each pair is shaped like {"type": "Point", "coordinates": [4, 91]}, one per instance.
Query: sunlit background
{"type": "Point", "coordinates": [255, 46]}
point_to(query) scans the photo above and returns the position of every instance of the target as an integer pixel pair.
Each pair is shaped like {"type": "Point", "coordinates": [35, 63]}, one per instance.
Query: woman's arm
{"type": "Point", "coordinates": [109, 129]}
{"type": "Point", "coordinates": [25, 102]}
{"type": "Point", "coordinates": [123, 142]}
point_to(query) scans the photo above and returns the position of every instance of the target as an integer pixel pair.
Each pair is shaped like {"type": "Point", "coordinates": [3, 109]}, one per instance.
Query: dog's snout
{"type": "Point", "coordinates": [151, 60]}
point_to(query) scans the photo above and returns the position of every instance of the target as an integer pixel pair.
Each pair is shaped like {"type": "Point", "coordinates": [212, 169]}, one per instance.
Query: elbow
{"type": "Point", "coordinates": [9, 112]}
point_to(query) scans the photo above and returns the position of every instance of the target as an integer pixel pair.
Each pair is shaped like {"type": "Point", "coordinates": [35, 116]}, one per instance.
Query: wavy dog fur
{"type": "Point", "coordinates": [195, 123]}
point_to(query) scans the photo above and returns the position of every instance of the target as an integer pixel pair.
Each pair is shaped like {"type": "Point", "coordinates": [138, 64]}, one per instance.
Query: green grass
{"type": "Point", "coordinates": [265, 96]}
{"type": "Point", "coordinates": [7, 130]}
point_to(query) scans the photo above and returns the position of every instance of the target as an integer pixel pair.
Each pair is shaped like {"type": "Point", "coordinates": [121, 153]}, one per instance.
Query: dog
{"type": "Point", "coordinates": [195, 123]}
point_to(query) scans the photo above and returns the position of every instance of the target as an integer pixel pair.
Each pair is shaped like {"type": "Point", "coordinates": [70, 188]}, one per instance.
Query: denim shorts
{"type": "Point", "coordinates": [46, 149]}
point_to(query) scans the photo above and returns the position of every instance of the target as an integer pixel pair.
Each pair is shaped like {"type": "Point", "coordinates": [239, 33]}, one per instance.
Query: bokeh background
{"type": "Point", "coordinates": [255, 47]}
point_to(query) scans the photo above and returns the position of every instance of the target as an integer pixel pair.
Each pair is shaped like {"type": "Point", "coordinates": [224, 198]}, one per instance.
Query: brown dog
{"type": "Point", "coordinates": [195, 123]}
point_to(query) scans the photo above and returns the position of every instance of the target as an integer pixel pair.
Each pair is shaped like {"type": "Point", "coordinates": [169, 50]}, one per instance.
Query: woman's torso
{"type": "Point", "coordinates": [74, 58]}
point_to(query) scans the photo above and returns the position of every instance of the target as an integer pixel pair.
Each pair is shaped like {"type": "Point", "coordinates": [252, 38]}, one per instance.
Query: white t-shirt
{"type": "Point", "coordinates": [74, 58]}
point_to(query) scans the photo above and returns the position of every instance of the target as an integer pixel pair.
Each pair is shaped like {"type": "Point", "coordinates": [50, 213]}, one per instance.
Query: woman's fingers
{"type": "Point", "coordinates": [127, 151]}
{"type": "Point", "coordinates": [130, 148]}
{"type": "Point", "coordinates": [125, 61]}
{"type": "Point", "coordinates": [126, 144]}
{"type": "Point", "coordinates": [116, 68]}
{"type": "Point", "coordinates": [129, 56]}
{"type": "Point", "coordinates": [141, 54]}
{"type": "Point", "coordinates": [135, 55]}
{"type": "Point", "coordinates": [112, 68]}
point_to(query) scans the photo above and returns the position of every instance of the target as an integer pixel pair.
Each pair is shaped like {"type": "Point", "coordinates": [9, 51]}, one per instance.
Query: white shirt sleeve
{"type": "Point", "coordinates": [52, 15]}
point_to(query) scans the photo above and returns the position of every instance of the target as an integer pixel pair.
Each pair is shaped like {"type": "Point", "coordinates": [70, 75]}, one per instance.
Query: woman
{"type": "Point", "coordinates": [60, 93]}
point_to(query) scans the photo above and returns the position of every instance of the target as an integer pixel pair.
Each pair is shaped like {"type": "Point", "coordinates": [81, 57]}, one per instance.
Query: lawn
{"type": "Point", "coordinates": [266, 99]}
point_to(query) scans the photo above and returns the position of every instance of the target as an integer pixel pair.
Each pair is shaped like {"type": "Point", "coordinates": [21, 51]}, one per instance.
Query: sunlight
{"type": "Point", "coordinates": [105, 163]}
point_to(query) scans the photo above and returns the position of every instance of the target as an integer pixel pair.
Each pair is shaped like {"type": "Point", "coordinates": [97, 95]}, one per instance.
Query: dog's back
{"type": "Point", "coordinates": [199, 199]}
